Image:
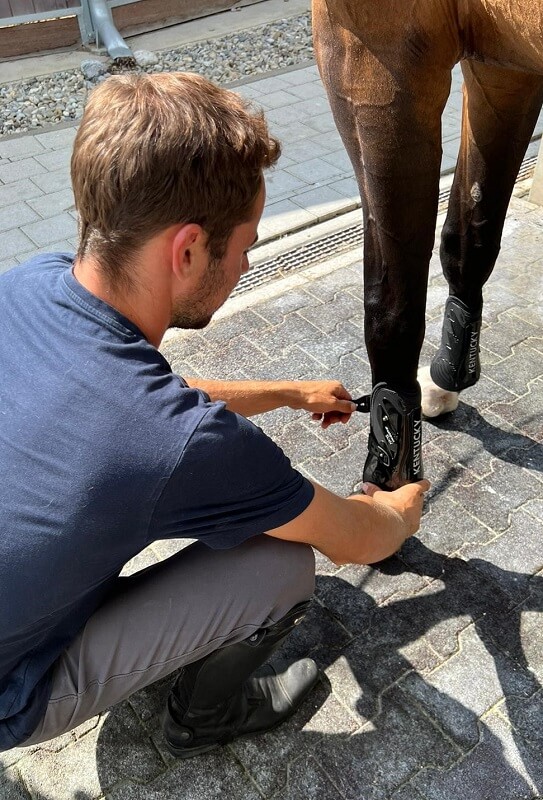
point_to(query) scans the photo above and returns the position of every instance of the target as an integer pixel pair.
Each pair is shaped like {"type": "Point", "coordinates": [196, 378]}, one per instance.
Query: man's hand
{"type": "Point", "coordinates": [328, 401]}
{"type": "Point", "coordinates": [407, 501]}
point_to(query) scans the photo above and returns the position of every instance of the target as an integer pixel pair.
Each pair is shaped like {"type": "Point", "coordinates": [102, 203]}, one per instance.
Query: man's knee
{"type": "Point", "coordinates": [290, 566]}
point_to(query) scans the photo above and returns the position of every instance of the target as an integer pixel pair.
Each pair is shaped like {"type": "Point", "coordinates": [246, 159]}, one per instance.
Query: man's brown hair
{"type": "Point", "coordinates": [158, 150]}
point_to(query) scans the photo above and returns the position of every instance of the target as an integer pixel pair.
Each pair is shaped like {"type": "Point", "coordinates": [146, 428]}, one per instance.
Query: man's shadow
{"type": "Point", "coordinates": [395, 665]}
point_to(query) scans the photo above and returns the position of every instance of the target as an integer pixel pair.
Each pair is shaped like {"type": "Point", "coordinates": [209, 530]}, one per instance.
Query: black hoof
{"type": "Point", "coordinates": [456, 365]}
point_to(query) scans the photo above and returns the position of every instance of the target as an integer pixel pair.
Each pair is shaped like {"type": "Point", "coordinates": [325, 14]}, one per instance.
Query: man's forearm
{"type": "Point", "coordinates": [249, 397]}
{"type": "Point", "coordinates": [360, 529]}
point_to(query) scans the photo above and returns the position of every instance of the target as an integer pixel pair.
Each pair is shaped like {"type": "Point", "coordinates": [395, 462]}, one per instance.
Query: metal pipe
{"type": "Point", "coordinates": [106, 32]}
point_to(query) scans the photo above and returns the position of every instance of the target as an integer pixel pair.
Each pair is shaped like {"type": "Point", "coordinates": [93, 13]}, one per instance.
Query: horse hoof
{"type": "Point", "coordinates": [435, 401]}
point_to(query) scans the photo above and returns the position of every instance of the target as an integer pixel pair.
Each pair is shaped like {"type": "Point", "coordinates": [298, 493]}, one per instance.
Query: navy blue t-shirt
{"type": "Point", "coordinates": [103, 450]}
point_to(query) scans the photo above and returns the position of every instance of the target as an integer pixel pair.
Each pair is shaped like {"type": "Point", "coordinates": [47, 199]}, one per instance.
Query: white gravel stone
{"type": "Point", "coordinates": [145, 58]}
{"type": "Point", "coordinates": [93, 69]}
{"type": "Point", "coordinates": [44, 101]}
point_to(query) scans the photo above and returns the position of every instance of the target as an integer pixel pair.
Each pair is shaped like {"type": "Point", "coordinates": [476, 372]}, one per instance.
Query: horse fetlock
{"type": "Point", "coordinates": [456, 365]}
{"type": "Point", "coordinates": [435, 401]}
{"type": "Point", "coordinates": [395, 440]}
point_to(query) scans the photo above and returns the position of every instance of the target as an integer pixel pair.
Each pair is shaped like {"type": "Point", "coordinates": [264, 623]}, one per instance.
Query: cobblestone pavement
{"type": "Point", "coordinates": [433, 659]}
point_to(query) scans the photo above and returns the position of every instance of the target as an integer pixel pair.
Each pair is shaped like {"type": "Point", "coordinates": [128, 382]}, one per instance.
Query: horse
{"type": "Point", "coordinates": [386, 67]}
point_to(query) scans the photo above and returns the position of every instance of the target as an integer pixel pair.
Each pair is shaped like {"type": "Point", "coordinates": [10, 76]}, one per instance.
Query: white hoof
{"type": "Point", "coordinates": [435, 401]}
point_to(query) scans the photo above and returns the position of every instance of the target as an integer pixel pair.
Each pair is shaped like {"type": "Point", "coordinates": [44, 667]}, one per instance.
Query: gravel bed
{"type": "Point", "coordinates": [37, 102]}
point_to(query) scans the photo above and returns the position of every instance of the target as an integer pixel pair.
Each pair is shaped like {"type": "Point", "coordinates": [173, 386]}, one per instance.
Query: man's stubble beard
{"type": "Point", "coordinates": [196, 312]}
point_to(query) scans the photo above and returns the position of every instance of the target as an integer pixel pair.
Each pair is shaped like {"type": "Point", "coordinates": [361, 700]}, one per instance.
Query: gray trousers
{"type": "Point", "coordinates": [171, 614]}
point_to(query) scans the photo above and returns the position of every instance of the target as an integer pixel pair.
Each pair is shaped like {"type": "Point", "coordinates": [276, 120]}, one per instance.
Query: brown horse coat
{"type": "Point", "coordinates": [387, 69]}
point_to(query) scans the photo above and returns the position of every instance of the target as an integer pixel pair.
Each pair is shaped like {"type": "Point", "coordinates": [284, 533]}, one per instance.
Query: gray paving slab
{"type": "Point", "coordinates": [433, 659]}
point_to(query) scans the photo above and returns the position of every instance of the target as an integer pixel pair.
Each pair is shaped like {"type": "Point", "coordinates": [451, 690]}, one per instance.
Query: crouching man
{"type": "Point", "coordinates": [103, 450]}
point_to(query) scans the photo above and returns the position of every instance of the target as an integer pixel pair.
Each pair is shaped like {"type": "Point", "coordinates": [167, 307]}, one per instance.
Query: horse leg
{"type": "Point", "coordinates": [389, 117]}
{"type": "Point", "coordinates": [500, 109]}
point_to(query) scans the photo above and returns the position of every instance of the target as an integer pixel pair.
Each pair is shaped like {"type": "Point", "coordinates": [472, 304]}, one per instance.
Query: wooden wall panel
{"type": "Point", "coordinates": [147, 15]}
{"type": "Point", "coordinates": [39, 37]}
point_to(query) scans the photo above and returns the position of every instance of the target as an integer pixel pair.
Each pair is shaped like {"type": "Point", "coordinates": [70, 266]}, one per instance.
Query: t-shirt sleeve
{"type": "Point", "coordinates": [230, 483]}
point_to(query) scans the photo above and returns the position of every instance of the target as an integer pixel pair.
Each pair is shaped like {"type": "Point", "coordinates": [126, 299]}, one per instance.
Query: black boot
{"type": "Point", "coordinates": [456, 365]}
{"type": "Point", "coordinates": [221, 696]}
{"type": "Point", "coordinates": [395, 440]}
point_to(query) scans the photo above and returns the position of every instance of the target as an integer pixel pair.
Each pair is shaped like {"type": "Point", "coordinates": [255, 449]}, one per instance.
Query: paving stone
{"type": "Point", "coordinates": [306, 779]}
{"type": "Point", "coordinates": [517, 371]}
{"type": "Point", "coordinates": [164, 548]}
{"type": "Point", "coordinates": [55, 159]}
{"type": "Point", "coordinates": [479, 436]}
{"type": "Point", "coordinates": [12, 788]}
{"type": "Point", "coordinates": [447, 527]}
{"type": "Point", "coordinates": [321, 636]}
{"type": "Point", "coordinates": [293, 364]}
{"type": "Point", "coordinates": [492, 769]}
{"type": "Point", "coordinates": [510, 559]}
{"type": "Point", "coordinates": [18, 170]}
{"type": "Point", "coordinates": [300, 443]}
{"type": "Point", "coordinates": [452, 696]}
{"type": "Point", "coordinates": [14, 242]}
{"type": "Point", "coordinates": [280, 217]}
{"type": "Point", "coordinates": [275, 310]}
{"type": "Point", "coordinates": [18, 191]}
{"type": "Point", "coordinates": [304, 150]}
{"type": "Point", "coordinates": [525, 412]}
{"type": "Point", "coordinates": [321, 122]}
{"type": "Point", "coordinates": [215, 774]}
{"type": "Point", "coordinates": [328, 349]}
{"type": "Point", "coordinates": [347, 187]}
{"type": "Point", "coordinates": [355, 374]}
{"type": "Point", "coordinates": [52, 181]}
{"type": "Point", "coordinates": [20, 147]}
{"type": "Point", "coordinates": [223, 331]}
{"type": "Point", "coordinates": [277, 99]}
{"type": "Point", "coordinates": [301, 132]}
{"type": "Point", "coordinates": [291, 330]}
{"type": "Point", "coordinates": [342, 471]}
{"type": "Point", "coordinates": [506, 332]}
{"type": "Point", "coordinates": [494, 498]}
{"type": "Point", "coordinates": [50, 230]}
{"type": "Point", "coordinates": [357, 766]}
{"type": "Point", "coordinates": [113, 751]}
{"type": "Point", "coordinates": [58, 138]}
{"type": "Point", "coordinates": [146, 558]}
{"type": "Point", "coordinates": [239, 354]}
{"type": "Point", "coordinates": [315, 170]}
{"type": "Point", "coordinates": [52, 203]}
{"type": "Point", "coordinates": [323, 202]}
{"type": "Point", "coordinates": [15, 215]}
{"type": "Point", "coordinates": [279, 184]}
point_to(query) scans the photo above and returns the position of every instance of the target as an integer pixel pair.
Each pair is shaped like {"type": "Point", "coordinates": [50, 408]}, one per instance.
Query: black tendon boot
{"type": "Point", "coordinates": [395, 440]}
{"type": "Point", "coordinates": [456, 364]}
{"type": "Point", "coordinates": [221, 696]}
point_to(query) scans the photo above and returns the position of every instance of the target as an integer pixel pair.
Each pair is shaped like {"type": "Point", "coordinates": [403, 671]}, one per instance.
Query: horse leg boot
{"type": "Point", "coordinates": [228, 693]}
{"type": "Point", "coordinates": [456, 365]}
{"type": "Point", "coordinates": [395, 440]}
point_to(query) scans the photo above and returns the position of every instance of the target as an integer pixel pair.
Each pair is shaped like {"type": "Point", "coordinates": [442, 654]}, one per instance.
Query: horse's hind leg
{"type": "Point", "coordinates": [499, 114]}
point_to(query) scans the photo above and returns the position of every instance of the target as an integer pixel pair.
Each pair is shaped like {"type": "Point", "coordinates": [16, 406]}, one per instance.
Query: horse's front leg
{"type": "Point", "coordinates": [500, 110]}
{"type": "Point", "coordinates": [389, 116]}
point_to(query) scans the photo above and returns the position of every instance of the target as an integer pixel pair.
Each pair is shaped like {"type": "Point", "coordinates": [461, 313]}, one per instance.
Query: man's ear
{"type": "Point", "coordinates": [188, 250]}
